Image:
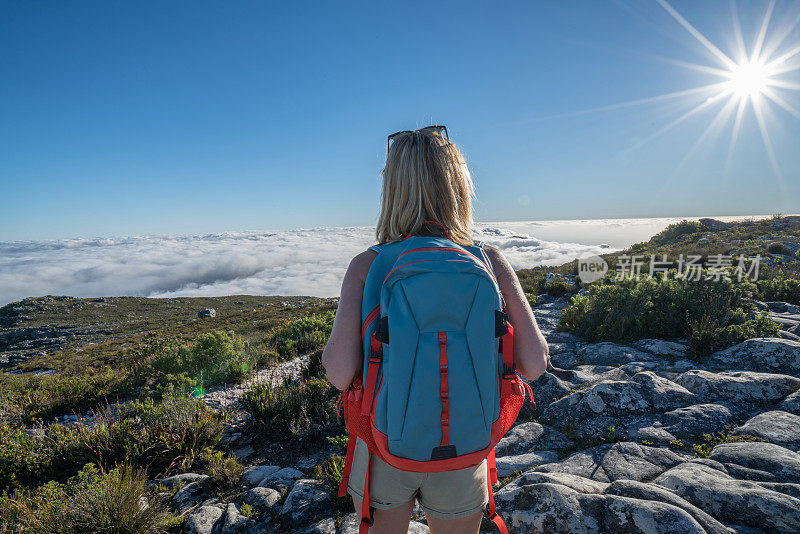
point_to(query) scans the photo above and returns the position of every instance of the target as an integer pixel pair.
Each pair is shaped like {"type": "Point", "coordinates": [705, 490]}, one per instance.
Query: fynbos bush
{"type": "Point", "coordinates": [302, 335]}
{"type": "Point", "coordinates": [712, 314]}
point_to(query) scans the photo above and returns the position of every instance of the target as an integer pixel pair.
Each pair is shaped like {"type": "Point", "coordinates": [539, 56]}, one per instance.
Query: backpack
{"type": "Point", "coordinates": [439, 387]}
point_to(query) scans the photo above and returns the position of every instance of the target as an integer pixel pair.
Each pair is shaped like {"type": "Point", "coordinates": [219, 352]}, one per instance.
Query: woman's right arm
{"type": "Point", "coordinates": [530, 347]}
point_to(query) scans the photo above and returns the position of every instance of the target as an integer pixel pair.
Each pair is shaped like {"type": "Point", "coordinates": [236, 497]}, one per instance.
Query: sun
{"type": "Point", "coordinates": [749, 79]}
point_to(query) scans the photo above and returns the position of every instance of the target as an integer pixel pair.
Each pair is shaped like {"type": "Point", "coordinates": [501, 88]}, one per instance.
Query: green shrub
{"type": "Point", "coordinates": [778, 248]}
{"type": "Point", "coordinates": [91, 502]}
{"type": "Point", "coordinates": [163, 437]}
{"type": "Point", "coordinates": [30, 455]}
{"type": "Point", "coordinates": [675, 231]}
{"type": "Point", "coordinates": [24, 398]}
{"type": "Point", "coordinates": [712, 314]}
{"type": "Point", "coordinates": [558, 286]}
{"type": "Point", "coordinates": [166, 436]}
{"type": "Point", "coordinates": [303, 334]}
{"type": "Point", "coordinates": [295, 408]}
{"type": "Point", "coordinates": [779, 288]}
{"type": "Point", "coordinates": [169, 364]}
{"type": "Point", "coordinates": [330, 473]}
{"type": "Point", "coordinates": [224, 471]}
{"type": "Point", "coordinates": [247, 511]}
{"type": "Point", "coordinates": [339, 442]}
{"type": "Point", "coordinates": [574, 314]}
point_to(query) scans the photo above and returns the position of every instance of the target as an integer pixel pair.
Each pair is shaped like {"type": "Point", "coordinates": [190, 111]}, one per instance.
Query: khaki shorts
{"type": "Point", "coordinates": [445, 495]}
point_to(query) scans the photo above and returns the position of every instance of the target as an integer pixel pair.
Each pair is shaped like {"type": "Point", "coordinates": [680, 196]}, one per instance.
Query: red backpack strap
{"type": "Point", "coordinates": [491, 477]}
{"type": "Point", "coordinates": [375, 356]}
{"type": "Point", "coordinates": [348, 464]}
{"type": "Point", "coordinates": [366, 511]}
{"type": "Point", "coordinates": [491, 464]}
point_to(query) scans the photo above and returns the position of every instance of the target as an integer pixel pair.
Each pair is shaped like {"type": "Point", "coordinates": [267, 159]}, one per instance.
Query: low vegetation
{"type": "Point", "coordinates": [94, 501]}
{"type": "Point", "coordinates": [711, 314]}
{"type": "Point", "coordinates": [712, 310]}
{"type": "Point", "coordinates": [302, 335]}
{"type": "Point", "coordinates": [305, 408]}
{"type": "Point", "coordinates": [162, 437]}
{"type": "Point", "coordinates": [135, 381]}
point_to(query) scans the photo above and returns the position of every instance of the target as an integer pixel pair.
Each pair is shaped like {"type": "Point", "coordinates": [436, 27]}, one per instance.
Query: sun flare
{"type": "Point", "coordinates": [757, 81]}
{"type": "Point", "coordinates": [749, 79]}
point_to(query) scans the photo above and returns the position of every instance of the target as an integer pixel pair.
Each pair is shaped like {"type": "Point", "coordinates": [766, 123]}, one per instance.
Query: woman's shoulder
{"type": "Point", "coordinates": [500, 265]}
{"type": "Point", "coordinates": [361, 262]}
{"type": "Point", "coordinates": [494, 254]}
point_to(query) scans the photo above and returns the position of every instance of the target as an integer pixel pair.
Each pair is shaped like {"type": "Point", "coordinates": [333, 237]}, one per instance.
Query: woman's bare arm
{"type": "Point", "coordinates": [530, 348]}
{"type": "Point", "coordinates": [343, 356]}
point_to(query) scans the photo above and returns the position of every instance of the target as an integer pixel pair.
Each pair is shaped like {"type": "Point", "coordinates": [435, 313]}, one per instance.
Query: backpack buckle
{"type": "Point", "coordinates": [376, 346]}
{"type": "Point", "coordinates": [500, 323]}
{"type": "Point", "coordinates": [510, 373]}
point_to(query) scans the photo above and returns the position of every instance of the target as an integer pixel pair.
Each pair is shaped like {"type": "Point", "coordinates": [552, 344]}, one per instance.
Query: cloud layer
{"type": "Point", "coordinates": [290, 262]}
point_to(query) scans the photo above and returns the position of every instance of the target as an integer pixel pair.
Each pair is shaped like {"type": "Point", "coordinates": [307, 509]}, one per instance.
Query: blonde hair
{"type": "Point", "coordinates": [425, 178]}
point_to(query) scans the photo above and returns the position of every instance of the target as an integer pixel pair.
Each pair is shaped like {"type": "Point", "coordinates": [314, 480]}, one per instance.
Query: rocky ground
{"type": "Point", "coordinates": [616, 446]}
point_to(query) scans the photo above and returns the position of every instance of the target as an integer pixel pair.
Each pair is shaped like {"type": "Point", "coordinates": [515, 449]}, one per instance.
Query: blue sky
{"type": "Point", "coordinates": [190, 117]}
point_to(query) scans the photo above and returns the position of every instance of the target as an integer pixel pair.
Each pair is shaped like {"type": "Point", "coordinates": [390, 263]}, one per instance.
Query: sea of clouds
{"type": "Point", "coordinates": [286, 262]}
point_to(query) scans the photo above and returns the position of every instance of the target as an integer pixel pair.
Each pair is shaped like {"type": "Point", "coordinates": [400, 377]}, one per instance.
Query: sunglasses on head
{"type": "Point", "coordinates": [437, 129]}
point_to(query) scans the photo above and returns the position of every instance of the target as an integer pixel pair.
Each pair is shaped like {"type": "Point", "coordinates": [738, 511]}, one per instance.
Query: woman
{"type": "Point", "coordinates": [425, 178]}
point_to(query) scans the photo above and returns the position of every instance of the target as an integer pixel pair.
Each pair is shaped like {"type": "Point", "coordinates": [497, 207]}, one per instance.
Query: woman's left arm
{"type": "Point", "coordinates": [343, 356]}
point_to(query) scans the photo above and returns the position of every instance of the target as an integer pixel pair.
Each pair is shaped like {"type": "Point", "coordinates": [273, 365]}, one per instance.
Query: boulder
{"type": "Point", "coordinates": [623, 515]}
{"type": "Point", "coordinates": [730, 500]}
{"type": "Point", "coordinates": [189, 495]}
{"type": "Point", "coordinates": [782, 464]}
{"type": "Point", "coordinates": [261, 499]}
{"type": "Point", "coordinates": [653, 492]}
{"type": "Point", "coordinates": [607, 353]}
{"type": "Point", "coordinates": [547, 388]}
{"type": "Point", "coordinates": [207, 312]}
{"type": "Point", "coordinates": [662, 348]}
{"type": "Point", "coordinates": [770, 354]}
{"type": "Point", "coordinates": [235, 523]}
{"type": "Point", "coordinates": [697, 419]}
{"type": "Point", "coordinates": [575, 482]}
{"type": "Point", "coordinates": [202, 520]}
{"type": "Point", "coordinates": [790, 489]}
{"type": "Point", "coordinates": [550, 508]}
{"type": "Point", "coordinates": [325, 526]}
{"type": "Point", "coordinates": [530, 436]}
{"type": "Point", "coordinates": [791, 403]}
{"type": "Point", "coordinates": [776, 426]}
{"type": "Point", "coordinates": [739, 387]}
{"type": "Point", "coordinates": [645, 393]}
{"type": "Point", "coordinates": [307, 499]}
{"type": "Point", "coordinates": [506, 465]}
{"type": "Point", "coordinates": [281, 479]}
{"type": "Point", "coordinates": [610, 462]}
{"type": "Point", "coordinates": [255, 474]}
{"type": "Point", "coordinates": [564, 360]}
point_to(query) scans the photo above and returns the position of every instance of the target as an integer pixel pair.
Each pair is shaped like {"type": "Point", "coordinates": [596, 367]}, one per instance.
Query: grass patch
{"type": "Point", "coordinates": [92, 502]}
{"type": "Point", "coordinates": [701, 447]}
{"type": "Point", "coordinates": [161, 437]}
{"type": "Point", "coordinates": [330, 473]}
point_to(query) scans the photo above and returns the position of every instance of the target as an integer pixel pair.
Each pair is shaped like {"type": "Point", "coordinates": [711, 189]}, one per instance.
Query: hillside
{"type": "Point", "coordinates": [668, 406]}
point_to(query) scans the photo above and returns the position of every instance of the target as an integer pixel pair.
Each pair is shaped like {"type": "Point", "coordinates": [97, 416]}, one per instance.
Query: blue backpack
{"type": "Point", "coordinates": [439, 387]}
